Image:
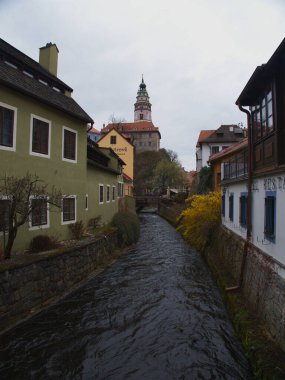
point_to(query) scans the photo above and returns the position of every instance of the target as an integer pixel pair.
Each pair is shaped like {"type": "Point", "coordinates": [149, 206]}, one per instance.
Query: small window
{"type": "Point", "coordinates": [86, 202]}
{"type": "Point", "coordinates": [141, 116]}
{"type": "Point", "coordinates": [7, 127]}
{"type": "Point", "coordinates": [107, 193]}
{"type": "Point", "coordinates": [231, 207]}
{"type": "Point", "coordinates": [223, 205]}
{"type": "Point", "coordinates": [214, 149]}
{"type": "Point", "coordinates": [68, 210]}
{"type": "Point", "coordinates": [101, 194]}
{"type": "Point", "coordinates": [270, 215]}
{"type": "Point", "coordinates": [4, 215]}
{"type": "Point", "coordinates": [113, 139]}
{"type": "Point", "coordinates": [113, 193]}
{"type": "Point", "coordinates": [40, 136]}
{"type": "Point", "coordinates": [39, 214]}
{"type": "Point", "coordinates": [243, 210]}
{"type": "Point", "coordinates": [69, 145]}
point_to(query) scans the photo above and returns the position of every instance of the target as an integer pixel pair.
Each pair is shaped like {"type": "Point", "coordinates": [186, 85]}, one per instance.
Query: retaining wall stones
{"type": "Point", "coordinates": [28, 285]}
{"type": "Point", "coordinates": [264, 284]}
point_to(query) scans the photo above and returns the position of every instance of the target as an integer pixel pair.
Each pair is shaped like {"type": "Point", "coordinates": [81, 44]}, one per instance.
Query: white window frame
{"type": "Point", "coordinates": [73, 131]}
{"type": "Point", "coordinates": [31, 136]}
{"type": "Point", "coordinates": [42, 226]}
{"type": "Point", "coordinates": [101, 185]}
{"type": "Point", "coordinates": [11, 148]}
{"type": "Point", "coordinates": [108, 187]}
{"type": "Point", "coordinates": [75, 210]}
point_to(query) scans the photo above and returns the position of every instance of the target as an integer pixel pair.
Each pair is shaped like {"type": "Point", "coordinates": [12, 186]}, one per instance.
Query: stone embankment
{"type": "Point", "coordinates": [30, 282]}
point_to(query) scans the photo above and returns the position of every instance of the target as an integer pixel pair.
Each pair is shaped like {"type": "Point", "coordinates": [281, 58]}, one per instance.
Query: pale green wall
{"type": "Point", "coordinates": [105, 210]}
{"type": "Point", "coordinates": [70, 178]}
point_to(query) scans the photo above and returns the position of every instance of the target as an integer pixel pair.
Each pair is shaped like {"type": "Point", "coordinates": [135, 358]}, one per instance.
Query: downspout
{"type": "Point", "coordinates": [88, 130]}
{"type": "Point", "coordinates": [249, 201]}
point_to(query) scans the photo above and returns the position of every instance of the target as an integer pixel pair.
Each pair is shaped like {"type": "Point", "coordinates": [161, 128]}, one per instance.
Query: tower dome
{"type": "Point", "coordinates": [142, 105]}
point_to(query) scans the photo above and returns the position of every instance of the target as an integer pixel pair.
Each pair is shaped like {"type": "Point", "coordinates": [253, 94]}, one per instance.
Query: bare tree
{"type": "Point", "coordinates": [16, 194]}
{"type": "Point", "coordinates": [116, 120]}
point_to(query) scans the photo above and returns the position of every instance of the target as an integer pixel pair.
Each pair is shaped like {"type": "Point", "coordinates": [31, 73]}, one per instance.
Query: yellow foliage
{"type": "Point", "coordinates": [199, 220]}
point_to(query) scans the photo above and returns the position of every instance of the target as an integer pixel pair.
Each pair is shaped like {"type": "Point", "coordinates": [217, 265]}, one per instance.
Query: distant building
{"type": "Point", "coordinates": [142, 133]}
{"type": "Point", "coordinates": [213, 141]}
{"type": "Point", "coordinates": [93, 134]}
{"type": "Point", "coordinates": [125, 150]}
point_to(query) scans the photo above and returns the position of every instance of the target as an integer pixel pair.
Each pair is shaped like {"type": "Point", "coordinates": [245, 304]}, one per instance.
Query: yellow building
{"type": "Point", "coordinates": [125, 150]}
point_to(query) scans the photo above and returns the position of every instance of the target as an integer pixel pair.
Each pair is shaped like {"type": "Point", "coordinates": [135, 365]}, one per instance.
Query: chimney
{"type": "Point", "coordinates": [48, 57]}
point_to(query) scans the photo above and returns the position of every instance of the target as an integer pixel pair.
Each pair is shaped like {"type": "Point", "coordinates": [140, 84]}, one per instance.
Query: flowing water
{"type": "Point", "coordinates": [155, 314]}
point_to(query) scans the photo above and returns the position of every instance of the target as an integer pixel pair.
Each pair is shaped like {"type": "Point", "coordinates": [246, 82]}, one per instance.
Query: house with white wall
{"type": "Point", "coordinates": [213, 141]}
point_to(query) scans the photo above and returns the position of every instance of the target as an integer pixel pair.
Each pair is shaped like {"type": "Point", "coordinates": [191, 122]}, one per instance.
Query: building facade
{"type": "Point", "coordinates": [213, 141]}
{"type": "Point", "coordinates": [43, 132]}
{"type": "Point", "coordinates": [125, 150]}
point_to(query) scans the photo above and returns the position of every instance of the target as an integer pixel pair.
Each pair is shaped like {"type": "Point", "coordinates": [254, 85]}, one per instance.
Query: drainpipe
{"type": "Point", "coordinates": [249, 201]}
{"type": "Point", "coordinates": [88, 130]}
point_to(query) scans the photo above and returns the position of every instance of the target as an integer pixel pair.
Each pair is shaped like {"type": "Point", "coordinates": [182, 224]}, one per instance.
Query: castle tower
{"type": "Point", "coordinates": [142, 105]}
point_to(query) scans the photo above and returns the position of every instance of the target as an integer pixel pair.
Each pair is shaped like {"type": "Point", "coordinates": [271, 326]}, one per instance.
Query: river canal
{"type": "Point", "coordinates": [155, 314]}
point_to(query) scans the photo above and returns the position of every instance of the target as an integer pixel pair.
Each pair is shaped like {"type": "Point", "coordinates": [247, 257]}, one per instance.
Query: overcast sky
{"type": "Point", "coordinates": [196, 56]}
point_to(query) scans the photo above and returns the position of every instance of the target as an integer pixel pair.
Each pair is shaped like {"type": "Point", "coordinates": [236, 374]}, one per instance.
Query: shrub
{"type": "Point", "coordinates": [42, 243]}
{"type": "Point", "coordinates": [76, 229]}
{"type": "Point", "coordinates": [128, 227]}
{"type": "Point", "coordinates": [94, 222]}
{"type": "Point", "coordinates": [199, 221]}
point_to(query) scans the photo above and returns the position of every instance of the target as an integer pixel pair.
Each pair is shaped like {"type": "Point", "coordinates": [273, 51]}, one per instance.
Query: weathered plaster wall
{"type": "Point", "coordinates": [263, 286]}
{"type": "Point", "coordinates": [26, 287]}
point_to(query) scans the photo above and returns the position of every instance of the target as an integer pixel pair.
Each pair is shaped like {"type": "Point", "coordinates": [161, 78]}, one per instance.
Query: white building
{"type": "Point", "coordinates": [213, 141]}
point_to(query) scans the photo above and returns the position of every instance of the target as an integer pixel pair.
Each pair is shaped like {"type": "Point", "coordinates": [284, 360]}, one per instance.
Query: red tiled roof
{"type": "Point", "coordinates": [231, 149]}
{"type": "Point", "coordinates": [127, 178]}
{"type": "Point", "coordinates": [94, 130]}
{"type": "Point", "coordinates": [204, 135]}
{"type": "Point", "coordinates": [137, 126]}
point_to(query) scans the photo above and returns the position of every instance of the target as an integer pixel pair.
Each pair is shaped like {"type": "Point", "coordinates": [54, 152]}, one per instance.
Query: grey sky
{"type": "Point", "coordinates": [196, 56]}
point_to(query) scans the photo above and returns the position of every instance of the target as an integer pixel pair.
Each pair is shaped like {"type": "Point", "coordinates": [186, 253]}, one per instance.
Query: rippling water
{"type": "Point", "coordinates": [155, 314]}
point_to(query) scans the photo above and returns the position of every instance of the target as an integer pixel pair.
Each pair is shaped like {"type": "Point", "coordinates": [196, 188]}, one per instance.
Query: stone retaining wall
{"type": "Point", "coordinates": [264, 284]}
{"type": "Point", "coordinates": [28, 285]}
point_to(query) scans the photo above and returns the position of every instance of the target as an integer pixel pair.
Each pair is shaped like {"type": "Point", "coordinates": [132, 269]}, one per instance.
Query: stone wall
{"type": "Point", "coordinates": [29, 283]}
{"type": "Point", "coordinates": [263, 285]}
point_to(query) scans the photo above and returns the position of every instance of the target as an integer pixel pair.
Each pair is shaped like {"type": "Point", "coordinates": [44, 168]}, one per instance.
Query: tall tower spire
{"type": "Point", "coordinates": [142, 105]}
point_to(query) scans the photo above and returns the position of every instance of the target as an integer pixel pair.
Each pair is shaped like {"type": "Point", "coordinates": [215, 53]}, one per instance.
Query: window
{"type": "Point", "coordinates": [120, 189]}
{"type": "Point", "coordinates": [86, 202]}
{"type": "Point", "coordinates": [108, 193]}
{"type": "Point", "coordinates": [101, 194]}
{"type": "Point", "coordinates": [113, 193]}
{"type": "Point", "coordinates": [243, 209]}
{"type": "Point", "coordinates": [141, 116]}
{"type": "Point", "coordinates": [270, 214]}
{"type": "Point", "coordinates": [231, 207]}
{"type": "Point", "coordinates": [68, 210]}
{"type": "Point", "coordinates": [262, 116]}
{"type": "Point", "coordinates": [223, 205]}
{"type": "Point", "coordinates": [69, 148]}
{"type": "Point", "coordinates": [39, 214]}
{"type": "Point", "coordinates": [7, 127]}
{"type": "Point", "coordinates": [113, 139]}
{"type": "Point", "coordinates": [40, 137]}
{"type": "Point", "coordinates": [4, 214]}
{"type": "Point", "coordinates": [214, 149]}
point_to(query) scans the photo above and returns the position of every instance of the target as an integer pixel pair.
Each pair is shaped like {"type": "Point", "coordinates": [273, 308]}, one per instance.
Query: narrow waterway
{"type": "Point", "coordinates": [155, 314]}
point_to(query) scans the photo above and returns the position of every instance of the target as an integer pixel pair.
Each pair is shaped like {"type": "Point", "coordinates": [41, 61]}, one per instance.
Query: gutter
{"type": "Point", "coordinates": [249, 202]}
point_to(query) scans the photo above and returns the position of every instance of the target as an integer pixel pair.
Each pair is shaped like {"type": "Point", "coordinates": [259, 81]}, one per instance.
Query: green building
{"type": "Point", "coordinates": [43, 131]}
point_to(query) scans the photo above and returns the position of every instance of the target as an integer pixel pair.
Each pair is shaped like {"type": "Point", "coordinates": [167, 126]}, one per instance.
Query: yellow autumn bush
{"type": "Point", "coordinates": [200, 219]}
